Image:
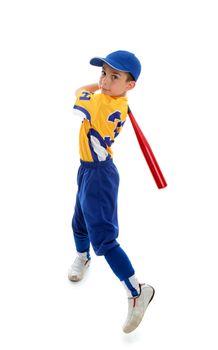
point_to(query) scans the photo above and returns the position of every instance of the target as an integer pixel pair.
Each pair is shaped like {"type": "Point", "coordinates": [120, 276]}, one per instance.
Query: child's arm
{"type": "Point", "coordinates": [90, 88]}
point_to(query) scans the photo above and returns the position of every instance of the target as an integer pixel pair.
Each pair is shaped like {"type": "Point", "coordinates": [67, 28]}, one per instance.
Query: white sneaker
{"type": "Point", "coordinates": [78, 269]}
{"type": "Point", "coordinates": [137, 307]}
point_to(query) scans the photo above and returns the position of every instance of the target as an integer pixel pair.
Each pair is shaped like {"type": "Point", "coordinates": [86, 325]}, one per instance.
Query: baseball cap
{"type": "Point", "coordinates": [123, 61]}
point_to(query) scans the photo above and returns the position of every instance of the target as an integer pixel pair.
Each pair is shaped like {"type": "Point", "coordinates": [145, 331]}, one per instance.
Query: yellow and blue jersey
{"type": "Point", "coordinates": [104, 117]}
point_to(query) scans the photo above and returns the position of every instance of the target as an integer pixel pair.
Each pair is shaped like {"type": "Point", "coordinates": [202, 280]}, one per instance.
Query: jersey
{"type": "Point", "coordinates": [103, 119]}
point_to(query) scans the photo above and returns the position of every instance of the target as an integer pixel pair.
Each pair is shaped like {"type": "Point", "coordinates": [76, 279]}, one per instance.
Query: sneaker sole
{"type": "Point", "coordinates": [152, 294]}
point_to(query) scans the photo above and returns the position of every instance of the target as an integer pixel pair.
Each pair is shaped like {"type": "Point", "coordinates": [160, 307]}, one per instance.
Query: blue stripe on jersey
{"type": "Point", "coordinates": [84, 111]}
{"type": "Point", "coordinates": [93, 132]}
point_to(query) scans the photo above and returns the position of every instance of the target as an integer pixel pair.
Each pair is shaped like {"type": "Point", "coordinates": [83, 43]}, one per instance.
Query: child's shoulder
{"type": "Point", "coordinates": [114, 108]}
{"type": "Point", "coordinates": [111, 100]}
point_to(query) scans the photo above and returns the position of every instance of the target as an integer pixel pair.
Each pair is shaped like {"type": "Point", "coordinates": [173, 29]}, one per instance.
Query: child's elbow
{"type": "Point", "coordinates": [77, 91]}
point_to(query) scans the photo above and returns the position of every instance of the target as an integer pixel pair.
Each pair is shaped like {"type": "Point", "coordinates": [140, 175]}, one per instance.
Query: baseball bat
{"type": "Point", "coordinates": [148, 154]}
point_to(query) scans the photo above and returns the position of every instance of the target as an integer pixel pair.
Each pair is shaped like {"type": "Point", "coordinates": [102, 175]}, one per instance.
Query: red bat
{"type": "Point", "coordinates": [148, 154]}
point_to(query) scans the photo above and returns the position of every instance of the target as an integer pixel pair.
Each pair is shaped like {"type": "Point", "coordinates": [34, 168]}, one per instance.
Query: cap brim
{"type": "Point", "coordinates": [98, 61]}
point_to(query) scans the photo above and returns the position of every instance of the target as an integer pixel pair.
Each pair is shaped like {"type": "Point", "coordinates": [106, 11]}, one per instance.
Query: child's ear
{"type": "Point", "coordinates": [130, 85]}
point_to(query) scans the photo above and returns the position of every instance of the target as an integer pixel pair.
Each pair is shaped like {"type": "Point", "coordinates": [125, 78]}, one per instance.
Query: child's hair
{"type": "Point", "coordinates": [129, 77]}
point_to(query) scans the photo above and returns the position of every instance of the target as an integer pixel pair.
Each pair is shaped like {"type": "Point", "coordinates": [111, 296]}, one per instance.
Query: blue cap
{"type": "Point", "coordinates": [123, 61]}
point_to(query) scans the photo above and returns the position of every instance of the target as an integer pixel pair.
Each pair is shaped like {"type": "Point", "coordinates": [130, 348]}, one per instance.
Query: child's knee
{"type": "Point", "coordinates": [103, 247]}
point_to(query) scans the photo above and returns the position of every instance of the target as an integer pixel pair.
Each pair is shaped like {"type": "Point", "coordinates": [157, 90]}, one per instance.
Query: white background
{"type": "Point", "coordinates": [170, 234]}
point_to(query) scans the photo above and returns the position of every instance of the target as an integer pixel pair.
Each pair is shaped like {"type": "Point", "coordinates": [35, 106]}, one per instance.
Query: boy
{"type": "Point", "coordinates": [95, 217]}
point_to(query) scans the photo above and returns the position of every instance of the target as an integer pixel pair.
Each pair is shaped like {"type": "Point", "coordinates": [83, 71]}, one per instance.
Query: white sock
{"type": "Point", "coordinates": [131, 286]}
{"type": "Point", "coordinates": [83, 256]}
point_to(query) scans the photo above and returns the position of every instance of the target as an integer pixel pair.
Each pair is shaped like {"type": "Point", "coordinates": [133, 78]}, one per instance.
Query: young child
{"type": "Point", "coordinates": [95, 217]}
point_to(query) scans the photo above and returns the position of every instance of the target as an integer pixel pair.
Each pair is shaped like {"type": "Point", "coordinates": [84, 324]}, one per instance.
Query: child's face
{"type": "Point", "coordinates": [113, 82]}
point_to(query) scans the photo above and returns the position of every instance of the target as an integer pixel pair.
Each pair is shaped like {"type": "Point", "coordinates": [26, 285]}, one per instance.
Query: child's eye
{"type": "Point", "coordinates": [103, 73]}
{"type": "Point", "coordinates": [114, 76]}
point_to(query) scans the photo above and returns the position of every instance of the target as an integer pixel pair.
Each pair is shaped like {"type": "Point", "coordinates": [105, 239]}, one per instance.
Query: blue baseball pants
{"type": "Point", "coordinates": [95, 217]}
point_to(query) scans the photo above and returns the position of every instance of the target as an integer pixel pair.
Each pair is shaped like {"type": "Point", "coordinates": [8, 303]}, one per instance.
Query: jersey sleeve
{"type": "Point", "coordinates": [83, 104]}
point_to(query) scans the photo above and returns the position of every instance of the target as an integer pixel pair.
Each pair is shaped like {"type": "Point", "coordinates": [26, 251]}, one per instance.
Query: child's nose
{"type": "Point", "coordinates": [104, 80]}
